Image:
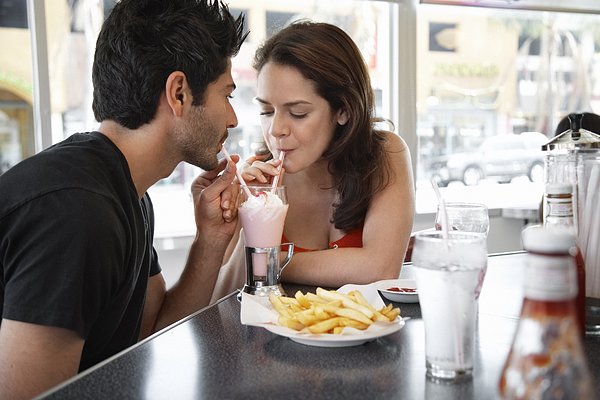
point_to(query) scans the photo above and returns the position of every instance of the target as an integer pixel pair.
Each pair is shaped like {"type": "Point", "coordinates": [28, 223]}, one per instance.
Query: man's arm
{"type": "Point", "coordinates": [215, 207]}
{"type": "Point", "coordinates": [34, 358]}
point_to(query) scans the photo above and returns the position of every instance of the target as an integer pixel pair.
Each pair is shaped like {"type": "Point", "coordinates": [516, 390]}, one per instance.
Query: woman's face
{"type": "Point", "coordinates": [294, 118]}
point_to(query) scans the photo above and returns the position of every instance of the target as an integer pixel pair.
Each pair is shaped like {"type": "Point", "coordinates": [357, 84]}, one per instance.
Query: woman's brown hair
{"type": "Point", "coordinates": [356, 156]}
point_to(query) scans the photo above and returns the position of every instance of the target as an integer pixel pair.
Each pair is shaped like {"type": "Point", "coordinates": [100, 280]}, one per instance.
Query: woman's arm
{"type": "Point", "coordinates": [386, 232]}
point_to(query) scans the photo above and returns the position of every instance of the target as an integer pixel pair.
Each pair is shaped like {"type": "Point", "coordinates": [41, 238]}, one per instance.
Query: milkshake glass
{"type": "Point", "coordinates": [262, 216]}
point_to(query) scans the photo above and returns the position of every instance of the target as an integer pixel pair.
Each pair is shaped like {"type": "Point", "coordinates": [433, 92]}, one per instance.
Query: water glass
{"type": "Point", "coordinates": [449, 274]}
{"type": "Point", "coordinates": [465, 217]}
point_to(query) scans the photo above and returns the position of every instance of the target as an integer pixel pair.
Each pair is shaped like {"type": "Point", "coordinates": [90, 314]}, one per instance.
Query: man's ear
{"type": "Point", "coordinates": [177, 93]}
{"type": "Point", "coordinates": [342, 117]}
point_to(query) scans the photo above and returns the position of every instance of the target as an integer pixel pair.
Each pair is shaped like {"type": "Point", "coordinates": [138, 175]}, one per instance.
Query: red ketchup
{"type": "Point", "coordinates": [402, 290]}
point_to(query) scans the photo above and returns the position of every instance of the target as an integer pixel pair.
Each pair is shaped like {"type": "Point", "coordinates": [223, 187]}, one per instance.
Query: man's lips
{"type": "Point", "coordinates": [224, 138]}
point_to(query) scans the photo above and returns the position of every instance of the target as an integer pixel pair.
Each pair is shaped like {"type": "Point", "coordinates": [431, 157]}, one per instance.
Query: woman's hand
{"type": "Point", "coordinates": [256, 170]}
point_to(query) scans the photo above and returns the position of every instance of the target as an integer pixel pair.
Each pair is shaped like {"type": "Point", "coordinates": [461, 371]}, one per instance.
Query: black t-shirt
{"type": "Point", "coordinates": [76, 244]}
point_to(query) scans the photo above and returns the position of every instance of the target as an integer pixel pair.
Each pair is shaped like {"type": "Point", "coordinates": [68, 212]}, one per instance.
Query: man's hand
{"type": "Point", "coordinates": [215, 198]}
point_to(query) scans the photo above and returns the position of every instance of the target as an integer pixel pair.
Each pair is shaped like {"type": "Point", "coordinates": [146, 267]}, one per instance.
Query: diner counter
{"type": "Point", "coordinates": [212, 355]}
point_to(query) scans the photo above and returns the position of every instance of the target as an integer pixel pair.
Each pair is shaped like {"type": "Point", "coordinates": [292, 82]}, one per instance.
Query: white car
{"type": "Point", "coordinates": [503, 157]}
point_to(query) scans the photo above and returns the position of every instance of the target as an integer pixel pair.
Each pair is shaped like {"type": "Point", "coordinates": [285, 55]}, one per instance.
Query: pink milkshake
{"type": "Point", "coordinates": [262, 216]}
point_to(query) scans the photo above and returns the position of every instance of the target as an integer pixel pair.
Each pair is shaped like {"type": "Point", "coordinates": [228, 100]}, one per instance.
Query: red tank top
{"type": "Point", "coordinates": [351, 239]}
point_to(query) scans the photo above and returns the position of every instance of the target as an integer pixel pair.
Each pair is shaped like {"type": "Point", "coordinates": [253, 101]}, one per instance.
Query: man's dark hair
{"type": "Point", "coordinates": [143, 41]}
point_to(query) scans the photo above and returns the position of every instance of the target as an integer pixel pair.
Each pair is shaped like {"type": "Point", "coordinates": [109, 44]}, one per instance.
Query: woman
{"type": "Point", "coordinates": [350, 186]}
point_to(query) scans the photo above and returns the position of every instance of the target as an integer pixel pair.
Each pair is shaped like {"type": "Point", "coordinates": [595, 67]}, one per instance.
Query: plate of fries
{"type": "Point", "coordinates": [350, 316]}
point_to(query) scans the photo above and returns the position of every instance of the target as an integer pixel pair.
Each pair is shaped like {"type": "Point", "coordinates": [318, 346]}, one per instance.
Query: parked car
{"type": "Point", "coordinates": [503, 157]}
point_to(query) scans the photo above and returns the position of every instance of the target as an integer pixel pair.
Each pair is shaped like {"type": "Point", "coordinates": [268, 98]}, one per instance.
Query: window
{"type": "Point", "coordinates": [497, 73]}
{"type": "Point", "coordinates": [16, 116]}
{"type": "Point", "coordinates": [449, 77]}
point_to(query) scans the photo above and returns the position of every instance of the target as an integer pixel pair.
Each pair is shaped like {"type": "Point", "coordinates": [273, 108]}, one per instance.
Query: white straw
{"type": "Point", "coordinates": [442, 204]}
{"type": "Point", "coordinates": [237, 172]}
{"type": "Point", "coordinates": [276, 179]}
{"type": "Point", "coordinates": [458, 354]}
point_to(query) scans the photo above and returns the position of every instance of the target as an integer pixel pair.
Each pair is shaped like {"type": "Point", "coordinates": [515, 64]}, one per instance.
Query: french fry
{"type": "Point", "coordinates": [279, 306]}
{"type": "Point", "coordinates": [338, 330]}
{"type": "Point", "coordinates": [379, 316]}
{"type": "Point", "coordinates": [320, 311]}
{"type": "Point", "coordinates": [360, 299]}
{"type": "Point", "coordinates": [290, 323]}
{"type": "Point", "coordinates": [346, 301]}
{"type": "Point", "coordinates": [392, 314]}
{"type": "Point", "coordinates": [348, 313]}
{"type": "Point", "coordinates": [314, 298]}
{"type": "Point", "coordinates": [325, 326]}
{"type": "Point", "coordinates": [288, 300]}
{"type": "Point", "coordinates": [302, 299]}
{"type": "Point", "coordinates": [354, 324]}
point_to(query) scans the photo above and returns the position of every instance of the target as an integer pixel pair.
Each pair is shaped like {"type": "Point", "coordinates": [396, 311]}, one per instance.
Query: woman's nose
{"type": "Point", "coordinates": [278, 126]}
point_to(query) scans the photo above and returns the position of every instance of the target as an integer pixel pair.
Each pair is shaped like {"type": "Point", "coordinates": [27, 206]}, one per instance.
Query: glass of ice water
{"type": "Point", "coordinates": [465, 217]}
{"type": "Point", "coordinates": [449, 274]}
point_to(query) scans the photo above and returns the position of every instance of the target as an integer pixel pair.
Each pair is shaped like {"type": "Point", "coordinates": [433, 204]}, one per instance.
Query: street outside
{"type": "Point", "coordinates": [175, 216]}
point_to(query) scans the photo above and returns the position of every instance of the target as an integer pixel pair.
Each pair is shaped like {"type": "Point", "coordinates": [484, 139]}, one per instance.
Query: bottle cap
{"type": "Point", "coordinates": [548, 240]}
{"type": "Point", "coordinates": [559, 188]}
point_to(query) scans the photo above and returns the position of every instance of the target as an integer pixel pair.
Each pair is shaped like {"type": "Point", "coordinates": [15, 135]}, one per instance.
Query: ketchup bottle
{"type": "Point", "coordinates": [546, 360]}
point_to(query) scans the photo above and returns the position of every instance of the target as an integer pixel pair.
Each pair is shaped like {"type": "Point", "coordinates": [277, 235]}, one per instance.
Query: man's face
{"type": "Point", "coordinates": [205, 128]}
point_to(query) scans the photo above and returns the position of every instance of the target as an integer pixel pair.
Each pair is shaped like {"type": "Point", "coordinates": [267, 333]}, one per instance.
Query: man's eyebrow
{"type": "Point", "coordinates": [232, 86]}
{"type": "Point", "coordinates": [288, 104]}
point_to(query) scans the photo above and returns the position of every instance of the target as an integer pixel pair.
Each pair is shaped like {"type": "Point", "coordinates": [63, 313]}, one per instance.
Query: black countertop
{"type": "Point", "coordinates": [212, 355]}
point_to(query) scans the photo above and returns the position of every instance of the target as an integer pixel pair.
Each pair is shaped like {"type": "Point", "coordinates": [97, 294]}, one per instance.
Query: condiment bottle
{"type": "Point", "coordinates": [559, 215]}
{"type": "Point", "coordinates": [546, 360]}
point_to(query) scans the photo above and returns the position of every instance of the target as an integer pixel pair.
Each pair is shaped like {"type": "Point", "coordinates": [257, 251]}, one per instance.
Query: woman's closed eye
{"type": "Point", "coordinates": [298, 115]}
{"type": "Point", "coordinates": [295, 115]}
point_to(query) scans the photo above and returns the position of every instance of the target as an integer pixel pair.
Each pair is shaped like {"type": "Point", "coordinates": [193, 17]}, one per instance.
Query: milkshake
{"type": "Point", "coordinates": [262, 216]}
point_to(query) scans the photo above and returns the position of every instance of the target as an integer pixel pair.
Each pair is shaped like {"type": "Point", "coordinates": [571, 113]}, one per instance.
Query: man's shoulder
{"type": "Point", "coordinates": [81, 163]}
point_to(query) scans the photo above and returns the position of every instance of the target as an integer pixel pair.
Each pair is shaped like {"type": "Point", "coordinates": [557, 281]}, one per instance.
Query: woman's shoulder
{"type": "Point", "coordinates": [394, 142]}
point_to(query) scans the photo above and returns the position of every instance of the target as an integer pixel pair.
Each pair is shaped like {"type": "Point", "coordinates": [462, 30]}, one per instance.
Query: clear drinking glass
{"type": "Point", "coordinates": [262, 214]}
{"type": "Point", "coordinates": [465, 217]}
{"type": "Point", "coordinates": [449, 276]}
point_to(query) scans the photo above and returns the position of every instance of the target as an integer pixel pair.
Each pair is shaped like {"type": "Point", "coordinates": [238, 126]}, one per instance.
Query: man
{"type": "Point", "coordinates": [80, 279]}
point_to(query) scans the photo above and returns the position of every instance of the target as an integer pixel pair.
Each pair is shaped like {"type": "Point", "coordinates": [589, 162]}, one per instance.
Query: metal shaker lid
{"type": "Point", "coordinates": [575, 138]}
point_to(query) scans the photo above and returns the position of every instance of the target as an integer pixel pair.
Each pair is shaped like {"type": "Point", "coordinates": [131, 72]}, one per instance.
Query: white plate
{"type": "Point", "coordinates": [257, 311]}
{"type": "Point", "coordinates": [331, 340]}
{"type": "Point", "coordinates": [398, 297]}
